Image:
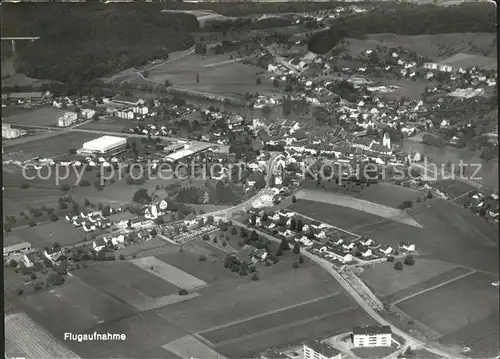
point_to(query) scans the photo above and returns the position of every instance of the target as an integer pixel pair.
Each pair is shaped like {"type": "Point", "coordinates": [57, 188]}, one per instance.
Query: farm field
{"type": "Point", "coordinates": [55, 146]}
{"type": "Point", "coordinates": [16, 200]}
{"type": "Point", "coordinates": [110, 124]}
{"type": "Point", "coordinates": [168, 273]}
{"type": "Point", "coordinates": [388, 194]}
{"type": "Point", "coordinates": [477, 305]}
{"type": "Point", "coordinates": [303, 312]}
{"type": "Point", "coordinates": [45, 116]}
{"type": "Point", "coordinates": [320, 327]}
{"type": "Point", "coordinates": [385, 281]}
{"type": "Point", "coordinates": [25, 338]}
{"type": "Point", "coordinates": [356, 204]}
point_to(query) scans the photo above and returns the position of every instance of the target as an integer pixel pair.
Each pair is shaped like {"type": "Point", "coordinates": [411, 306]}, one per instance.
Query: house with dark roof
{"type": "Point", "coordinates": [372, 336]}
{"type": "Point", "coordinates": [318, 350]}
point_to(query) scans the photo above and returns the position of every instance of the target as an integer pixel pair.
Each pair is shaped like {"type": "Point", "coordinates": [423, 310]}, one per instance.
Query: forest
{"type": "Point", "coordinates": [405, 19]}
{"type": "Point", "coordinates": [79, 43]}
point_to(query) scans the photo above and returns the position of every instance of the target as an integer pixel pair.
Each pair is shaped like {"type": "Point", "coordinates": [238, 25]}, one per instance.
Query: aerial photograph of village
{"type": "Point", "coordinates": [250, 179]}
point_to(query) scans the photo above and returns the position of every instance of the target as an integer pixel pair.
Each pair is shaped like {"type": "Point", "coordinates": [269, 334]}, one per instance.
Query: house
{"type": "Point", "coordinates": [99, 244]}
{"type": "Point", "coordinates": [30, 259]}
{"type": "Point", "coordinates": [371, 336]}
{"type": "Point", "coordinates": [386, 249]}
{"type": "Point", "coordinates": [125, 100]}
{"type": "Point", "coordinates": [407, 247]}
{"type": "Point", "coordinates": [17, 249]}
{"type": "Point", "coordinates": [118, 240]}
{"type": "Point", "coordinates": [318, 350]}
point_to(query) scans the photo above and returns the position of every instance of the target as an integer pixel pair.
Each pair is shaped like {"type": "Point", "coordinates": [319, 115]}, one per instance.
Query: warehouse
{"type": "Point", "coordinates": [104, 145]}
{"type": "Point", "coordinates": [187, 151]}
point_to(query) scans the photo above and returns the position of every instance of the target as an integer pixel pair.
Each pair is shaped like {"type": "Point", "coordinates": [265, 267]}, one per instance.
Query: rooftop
{"type": "Point", "coordinates": [273, 354]}
{"type": "Point", "coordinates": [322, 348]}
{"type": "Point", "coordinates": [16, 247]}
{"type": "Point", "coordinates": [371, 329]}
{"type": "Point", "coordinates": [104, 141]}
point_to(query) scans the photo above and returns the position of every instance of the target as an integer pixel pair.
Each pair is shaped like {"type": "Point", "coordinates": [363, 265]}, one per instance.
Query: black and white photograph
{"type": "Point", "coordinates": [250, 179]}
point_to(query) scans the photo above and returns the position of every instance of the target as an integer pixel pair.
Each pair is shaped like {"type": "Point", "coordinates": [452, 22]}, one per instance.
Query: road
{"type": "Point", "coordinates": [367, 308]}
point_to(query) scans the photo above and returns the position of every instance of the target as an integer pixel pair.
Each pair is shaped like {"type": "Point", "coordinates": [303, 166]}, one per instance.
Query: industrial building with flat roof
{"type": "Point", "coordinates": [187, 151]}
{"type": "Point", "coordinates": [104, 144]}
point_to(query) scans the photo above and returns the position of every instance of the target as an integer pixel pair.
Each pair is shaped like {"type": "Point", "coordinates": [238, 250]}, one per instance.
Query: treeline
{"type": "Point", "coordinates": [245, 24]}
{"type": "Point", "coordinates": [250, 8]}
{"type": "Point", "coordinates": [408, 20]}
{"type": "Point", "coordinates": [82, 42]}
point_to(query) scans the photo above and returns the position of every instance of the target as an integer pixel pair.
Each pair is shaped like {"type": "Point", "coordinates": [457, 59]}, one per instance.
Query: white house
{"type": "Point", "coordinates": [372, 336]}
{"type": "Point", "coordinates": [319, 350]}
{"type": "Point", "coordinates": [99, 244]}
{"type": "Point", "coordinates": [407, 246]}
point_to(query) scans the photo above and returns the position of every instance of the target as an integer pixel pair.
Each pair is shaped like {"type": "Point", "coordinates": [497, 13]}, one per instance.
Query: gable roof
{"type": "Point", "coordinates": [371, 329]}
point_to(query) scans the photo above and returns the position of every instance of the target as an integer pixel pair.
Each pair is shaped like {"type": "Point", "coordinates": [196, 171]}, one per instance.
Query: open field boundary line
{"type": "Point", "coordinates": [330, 226]}
{"type": "Point", "coordinates": [268, 313]}
{"type": "Point", "coordinates": [285, 326]}
{"type": "Point", "coordinates": [434, 287]}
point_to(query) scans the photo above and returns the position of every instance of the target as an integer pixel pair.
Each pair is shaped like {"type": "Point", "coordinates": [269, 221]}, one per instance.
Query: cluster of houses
{"type": "Point", "coordinates": [70, 118]}
{"type": "Point", "coordinates": [26, 99]}
{"type": "Point", "coordinates": [89, 222]}
{"type": "Point", "coordinates": [485, 205]}
{"type": "Point", "coordinates": [322, 239]}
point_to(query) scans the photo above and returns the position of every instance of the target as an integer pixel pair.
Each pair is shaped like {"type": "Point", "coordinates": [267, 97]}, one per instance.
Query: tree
{"type": "Point", "coordinates": [210, 220]}
{"type": "Point", "coordinates": [13, 263]}
{"type": "Point", "coordinates": [390, 259]}
{"type": "Point", "coordinates": [296, 248]}
{"type": "Point", "coordinates": [86, 202]}
{"type": "Point", "coordinates": [183, 291]}
{"type": "Point", "coordinates": [106, 211]}
{"type": "Point", "coordinates": [258, 81]}
{"type": "Point", "coordinates": [234, 231]}
{"type": "Point", "coordinates": [294, 199]}
{"type": "Point", "coordinates": [197, 78]}
{"type": "Point", "coordinates": [255, 276]}
{"type": "Point", "coordinates": [202, 258]}
{"type": "Point", "coordinates": [284, 246]}
{"type": "Point", "coordinates": [398, 265]}
{"type": "Point", "coordinates": [122, 257]}
{"type": "Point", "coordinates": [254, 236]}
{"type": "Point", "coordinates": [429, 195]}
{"type": "Point", "coordinates": [223, 226]}
{"type": "Point", "coordinates": [142, 196]}
{"type": "Point", "coordinates": [244, 268]}
{"type": "Point", "coordinates": [301, 260]}
{"type": "Point", "coordinates": [205, 237]}
{"type": "Point", "coordinates": [295, 265]}
{"type": "Point", "coordinates": [409, 261]}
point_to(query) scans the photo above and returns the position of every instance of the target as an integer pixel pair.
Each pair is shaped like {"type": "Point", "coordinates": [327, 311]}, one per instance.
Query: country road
{"type": "Point", "coordinates": [357, 297]}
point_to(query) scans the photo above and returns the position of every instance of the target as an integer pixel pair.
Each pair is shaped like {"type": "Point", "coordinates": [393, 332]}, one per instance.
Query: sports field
{"type": "Point", "coordinates": [46, 116]}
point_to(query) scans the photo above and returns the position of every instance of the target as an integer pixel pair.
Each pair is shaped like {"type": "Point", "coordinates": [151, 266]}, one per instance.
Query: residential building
{"type": "Point", "coordinates": [8, 132]}
{"type": "Point", "coordinates": [17, 249]}
{"type": "Point", "coordinates": [124, 100]}
{"type": "Point", "coordinates": [99, 244]}
{"type": "Point", "coordinates": [318, 350]}
{"type": "Point", "coordinates": [30, 259]}
{"type": "Point", "coordinates": [87, 113]}
{"type": "Point", "coordinates": [371, 336]}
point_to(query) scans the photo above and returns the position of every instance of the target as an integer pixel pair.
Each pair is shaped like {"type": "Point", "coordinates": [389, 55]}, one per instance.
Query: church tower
{"type": "Point", "coordinates": [386, 141]}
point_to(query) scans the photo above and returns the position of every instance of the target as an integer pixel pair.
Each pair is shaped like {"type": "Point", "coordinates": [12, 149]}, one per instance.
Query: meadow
{"type": "Point", "coordinates": [44, 116]}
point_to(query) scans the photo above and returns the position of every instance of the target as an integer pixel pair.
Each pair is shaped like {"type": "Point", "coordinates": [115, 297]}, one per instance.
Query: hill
{"type": "Point", "coordinates": [81, 42]}
{"type": "Point", "coordinates": [408, 19]}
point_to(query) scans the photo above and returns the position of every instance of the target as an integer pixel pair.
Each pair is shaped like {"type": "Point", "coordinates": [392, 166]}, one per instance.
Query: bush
{"type": "Point", "coordinates": [294, 199]}
{"type": "Point", "coordinates": [255, 276]}
{"type": "Point", "coordinates": [301, 260]}
{"type": "Point", "coordinates": [33, 276]}
{"type": "Point", "coordinates": [122, 257]}
{"type": "Point", "coordinates": [183, 292]}
{"type": "Point", "coordinates": [398, 266]}
{"type": "Point", "coordinates": [54, 217]}
{"type": "Point", "coordinates": [234, 231]}
{"type": "Point", "coordinates": [406, 204]}
{"type": "Point", "coordinates": [202, 258]}
{"type": "Point", "coordinates": [55, 279]}
{"type": "Point", "coordinates": [295, 265]}
{"type": "Point", "coordinates": [13, 263]}
{"type": "Point", "coordinates": [64, 188]}
{"type": "Point", "coordinates": [205, 237]}
{"type": "Point", "coordinates": [390, 259]}
{"type": "Point", "coordinates": [429, 195]}
{"type": "Point", "coordinates": [32, 223]}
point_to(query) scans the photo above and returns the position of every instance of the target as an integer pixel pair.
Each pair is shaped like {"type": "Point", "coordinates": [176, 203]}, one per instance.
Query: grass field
{"type": "Point", "coordinates": [454, 188]}
{"type": "Point", "coordinates": [356, 204]}
{"type": "Point", "coordinates": [387, 194]}
{"type": "Point", "coordinates": [46, 234]}
{"type": "Point", "coordinates": [217, 74]}
{"type": "Point", "coordinates": [52, 147]}
{"type": "Point", "coordinates": [385, 281]}
{"type": "Point", "coordinates": [45, 116]}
